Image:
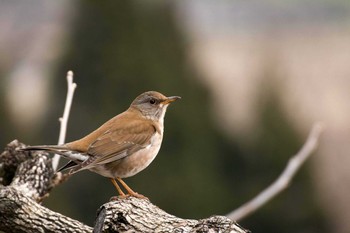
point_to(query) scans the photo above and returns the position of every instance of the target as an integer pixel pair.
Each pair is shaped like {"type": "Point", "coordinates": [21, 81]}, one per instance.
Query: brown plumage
{"type": "Point", "coordinates": [121, 147]}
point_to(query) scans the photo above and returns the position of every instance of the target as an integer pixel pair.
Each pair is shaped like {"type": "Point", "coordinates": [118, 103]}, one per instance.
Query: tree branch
{"type": "Point", "coordinates": [64, 119]}
{"type": "Point", "coordinates": [20, 213]}
{"type": "Point", "coordinates": [140, 215]}
{"type": "Point", "coordinates": [284, 179]}
{"type": "Point", "coordinates": [26, 178]}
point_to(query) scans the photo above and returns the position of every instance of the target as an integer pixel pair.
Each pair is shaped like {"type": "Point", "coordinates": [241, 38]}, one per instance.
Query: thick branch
{"type": "Point", "coordinates": [29, 179]}
{"type": "Point", "coordinates": [140, 215]}
{"type": "Point", "coordinates": [20, 213]}
{"type": "Point", "coordinates": [26, 178]}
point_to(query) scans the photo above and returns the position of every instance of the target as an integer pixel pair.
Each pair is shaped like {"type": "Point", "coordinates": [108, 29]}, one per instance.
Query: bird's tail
{"type": "Point", "coordinates": [49, 148]}
{"type": "Point", "coordinates": [62, 150]}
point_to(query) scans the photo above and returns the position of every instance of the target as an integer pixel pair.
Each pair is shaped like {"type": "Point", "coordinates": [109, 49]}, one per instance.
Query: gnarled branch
{"type": "Point", "coordinates": [26, 178]}
{"type": "Point", "coordinates": [140, 215]}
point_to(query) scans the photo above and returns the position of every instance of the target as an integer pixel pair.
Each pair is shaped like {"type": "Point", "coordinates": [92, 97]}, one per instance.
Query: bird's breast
{"type": "Point", "coordinates": [134, 163]}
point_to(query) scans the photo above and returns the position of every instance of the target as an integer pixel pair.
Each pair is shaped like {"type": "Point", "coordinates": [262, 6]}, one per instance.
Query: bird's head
{"type": "Point", "coordinates": [153, 104]}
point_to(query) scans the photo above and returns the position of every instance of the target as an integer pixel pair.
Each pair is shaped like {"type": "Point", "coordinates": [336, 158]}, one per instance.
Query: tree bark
{"type": "Point", "coordinates": [26, 178]}
{"type": "Point", "coordinates": [140, 215]}
{"type": "Point", "coordinates": [20, 213]}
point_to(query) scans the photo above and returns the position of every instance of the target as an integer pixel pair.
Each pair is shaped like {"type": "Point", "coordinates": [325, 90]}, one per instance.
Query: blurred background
{"type": "Point", "coordinates": [253, 76]}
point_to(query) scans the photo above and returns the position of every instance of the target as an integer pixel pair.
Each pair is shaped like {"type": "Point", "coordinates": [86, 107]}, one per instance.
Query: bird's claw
{"type": "Point", "coordinates": [137, 195]}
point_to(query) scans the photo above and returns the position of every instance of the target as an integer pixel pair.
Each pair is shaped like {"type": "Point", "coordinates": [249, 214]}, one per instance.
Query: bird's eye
{"type": "Point", "coordinates": [152, 101]}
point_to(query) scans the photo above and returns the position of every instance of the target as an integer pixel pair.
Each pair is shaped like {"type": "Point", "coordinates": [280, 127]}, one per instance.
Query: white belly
{"type": "Point", "coordinates": [135, 163]}
{"type": "Point", "coordinates": [132, 164]}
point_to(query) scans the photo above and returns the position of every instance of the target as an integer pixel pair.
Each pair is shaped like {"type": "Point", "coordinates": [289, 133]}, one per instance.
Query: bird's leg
{"type": "Point", "coordinates": [120, 191]}
{"type": "Point", "coordinates": [129, 190]}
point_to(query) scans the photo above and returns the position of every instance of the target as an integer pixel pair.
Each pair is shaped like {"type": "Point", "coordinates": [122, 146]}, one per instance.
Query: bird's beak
{"type": "Point", "coordinates": [170, 99]}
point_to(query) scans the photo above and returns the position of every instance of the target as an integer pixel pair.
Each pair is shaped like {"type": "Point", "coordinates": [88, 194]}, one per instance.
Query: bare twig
{"type": "Point", "coordinates": [284, 179]}
{"type": "Point", "coordinates": [64, 119]}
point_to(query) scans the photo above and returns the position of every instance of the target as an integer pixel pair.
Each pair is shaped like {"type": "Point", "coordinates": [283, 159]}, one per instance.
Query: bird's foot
{"type": "Point", "coordinates": [114, 198]}
{"type": "Point", "coordinates": [137, 195]}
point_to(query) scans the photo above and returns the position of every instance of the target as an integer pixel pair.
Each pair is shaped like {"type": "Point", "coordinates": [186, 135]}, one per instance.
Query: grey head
{"type": "Point", "coordinates": [153, 104]}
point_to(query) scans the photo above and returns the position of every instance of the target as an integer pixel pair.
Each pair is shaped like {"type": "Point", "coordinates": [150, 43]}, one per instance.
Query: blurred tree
{"type": "Point", "coordinates": [122, 48]}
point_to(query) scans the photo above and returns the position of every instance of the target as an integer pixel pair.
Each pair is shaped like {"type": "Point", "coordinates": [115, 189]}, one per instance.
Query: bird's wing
{"type": "Point", "coordinates": [119, 142]}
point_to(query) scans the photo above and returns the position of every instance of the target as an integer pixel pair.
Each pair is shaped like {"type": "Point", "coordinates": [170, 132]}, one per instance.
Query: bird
{"type": "Point", "coordinates": [121, 147]}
